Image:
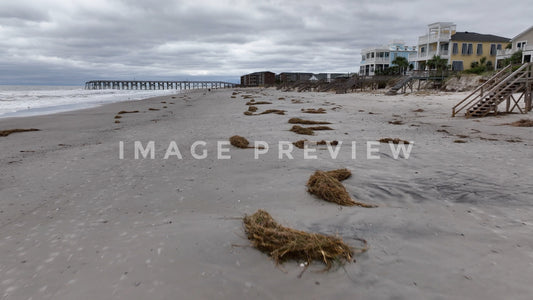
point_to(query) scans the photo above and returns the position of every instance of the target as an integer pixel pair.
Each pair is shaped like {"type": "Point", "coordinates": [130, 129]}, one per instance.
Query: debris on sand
{"type": "Point", "coordinates": [329, 188]}
{"type": "Point", "coordinates": [320, 128]}
{"type": "Point", "coordinates": [283, 243]}
{"type": "Point", "coordinates": [10, 131]}
{"type": "Point", "coordinates": [302, 130]}
{"type": "Point", "coordinates": [396, 122]}
{"type": "Point", "coordinates": [323, 142]}
{"type": "Point", "coordinates": [153, 109]}
{"type": "Point", "coordinates": [248, 113]}
{"type": "Point", "coordinates": [252, 108]}
{"type": "Point", "coordinates": [522, 123]}
{"type": "Point", "coordinates": [306, 122]}
{"type": "Point", "coordinates": [301, 143]}
{"type": "Point", "coordinates": [258, 102]}
{"type": "Point", "coordinates": [239, 141]}
{"type": "Point", "coordinates": [418, 110]}
{"type": "Point", "coordinates": [314, 111]}
{"type": "Point", "coordinates": [118, 117]}
{"type": "Point", "coordinates": [273, 111]}
{"type": "Point", "coordinates": [340, 174]}
{"type": "Point", "coordinates": [394, 141]}
{"type": "Point", "coordinates": [127, 112]}
{"type": "Point", "coordinates": [459, 141]}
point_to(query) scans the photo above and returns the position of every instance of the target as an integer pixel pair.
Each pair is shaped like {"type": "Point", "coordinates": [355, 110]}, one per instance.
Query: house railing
{"type": "Point", "coordinates": [480, 91]}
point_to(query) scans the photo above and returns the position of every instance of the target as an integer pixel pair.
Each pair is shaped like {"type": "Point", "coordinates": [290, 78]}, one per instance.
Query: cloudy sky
{"type": "Point", "coordinates": [72, 41]}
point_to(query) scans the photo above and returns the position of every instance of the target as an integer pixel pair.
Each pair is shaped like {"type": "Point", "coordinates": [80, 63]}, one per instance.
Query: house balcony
{"type": "Point", "coordinates": [376, 60]}
{"type": "Point", "coordinates": [445, 54]}
{"type": "Point", "coordinates": [504, 53]}
{"type": "Point", "coordinates": [433, 38]}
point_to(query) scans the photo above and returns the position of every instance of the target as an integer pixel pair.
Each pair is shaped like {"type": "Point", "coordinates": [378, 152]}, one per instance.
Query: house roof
{"type": "Point", "coordinates": [478, 37]}
{"type": "Point", "coordinates": [522, 33]}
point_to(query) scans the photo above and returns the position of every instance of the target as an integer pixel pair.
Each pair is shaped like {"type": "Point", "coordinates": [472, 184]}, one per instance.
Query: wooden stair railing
{"type": "Point", "coordinates": [499, 93]}
{"type": "Point", "coordinates": [478, 92]}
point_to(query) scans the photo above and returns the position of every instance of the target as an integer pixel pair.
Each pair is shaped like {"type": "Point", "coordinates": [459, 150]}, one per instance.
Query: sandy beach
{"type": "Point", "coordinates": [81, 218]}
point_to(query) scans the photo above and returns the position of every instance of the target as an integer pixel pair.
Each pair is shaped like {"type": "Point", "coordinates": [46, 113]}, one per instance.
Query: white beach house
{"type": "Point", "coordinates": [376, 59]}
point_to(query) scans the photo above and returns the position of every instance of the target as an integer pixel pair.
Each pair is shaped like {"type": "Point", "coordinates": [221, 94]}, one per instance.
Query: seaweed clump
{"type": "Point", "coordinates": [283, 243]}
{"type": "Point", "coordinates": [239, 141]}
{"type": "Point", "coordinates": [329, 188]}
{"type": "Point", "coordinates": [10, 131]}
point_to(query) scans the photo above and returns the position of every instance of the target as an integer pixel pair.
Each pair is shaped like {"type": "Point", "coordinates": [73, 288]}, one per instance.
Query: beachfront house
{"type": "Point", "coordinates": [459, 49]}
{"type": "Point", "coordinates": [522, 42]}
{"type": "Point", "coordinates": [258, 79]}
{"type": "Point", "coordinates": [377, 59]}
{"type": "Point", "coordinates": [468, 48]}
{"type": "Point", "coordinates": [436, 42]}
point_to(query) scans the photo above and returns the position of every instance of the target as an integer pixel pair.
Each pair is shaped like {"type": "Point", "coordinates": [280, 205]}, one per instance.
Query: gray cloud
{"type": "Point", "coordinates": [55, 41]}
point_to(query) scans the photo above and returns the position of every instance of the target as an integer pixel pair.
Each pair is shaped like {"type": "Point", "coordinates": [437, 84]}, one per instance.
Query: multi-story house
{"type": "Point", "coordinates": [459, 49]}
{"type": "Point", "coordinates": [374, 60]}
{"type": "Point", "coordinates": [522, 42]}
{"type": "Point", "coordinates": [468, 47]}
{"type": "Point", "coordinates": [436, 42]}
{"type": "Point", "coordinates": [258, 79]}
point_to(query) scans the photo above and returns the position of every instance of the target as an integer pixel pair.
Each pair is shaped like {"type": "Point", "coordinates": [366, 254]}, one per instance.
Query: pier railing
{"type": "Point", "coordinates": [156, 85]}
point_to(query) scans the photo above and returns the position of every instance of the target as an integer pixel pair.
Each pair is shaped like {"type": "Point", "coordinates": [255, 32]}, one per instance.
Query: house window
{"type": "Point", "coordinates": [479, 49]}
{"type": "Point", "coordinates": [455, 48]}
{"type": "Point", "coordinates": [372, 55]}
{"type": "Point", "coordinates": [499, 47]}
{"type": "Point", "coordinates": [457, 65]}
{"type": "Point", "coordinates": [492, 49]}
{"type": "Point", "coordinates": [386, 54]}
{"type": "Point", "coordinates": [470, 49]}
{"type": "Point", "coordinates": [520, 45]}
{"type": "Point", "coordinates": [464, 48]}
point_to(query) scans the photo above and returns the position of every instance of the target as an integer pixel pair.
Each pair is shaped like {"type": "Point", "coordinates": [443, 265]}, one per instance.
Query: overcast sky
{"type": "Point", "coordinates": [70, 42]}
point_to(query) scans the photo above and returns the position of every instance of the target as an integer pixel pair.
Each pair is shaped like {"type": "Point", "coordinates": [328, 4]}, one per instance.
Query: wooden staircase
{"type": "Point", "coordinates": [486, 98]}
{"type": "Point", "coordinates": [400, 84]}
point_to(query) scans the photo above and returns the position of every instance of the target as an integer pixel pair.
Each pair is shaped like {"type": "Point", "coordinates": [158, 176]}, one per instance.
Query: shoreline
{"type": "Point", "coordinates": [453, 220]}
{"type": "Point", "coordinates": [97, 100]}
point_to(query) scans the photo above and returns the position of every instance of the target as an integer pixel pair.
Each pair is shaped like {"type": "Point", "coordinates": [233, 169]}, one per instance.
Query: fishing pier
{"type": "Point", "coordinates": [156, 85]}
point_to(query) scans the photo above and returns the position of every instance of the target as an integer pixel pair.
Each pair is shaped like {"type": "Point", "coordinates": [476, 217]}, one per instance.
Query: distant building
{"type": "Point", "coordinates": [374, 60]}
{"type": "Point", "coordinates": [469, 47]}
{"type": "Point", "coordinates": [522, 42]}
{"type": "Point", "coordinates": [258, 79]}
{"type": "Point", "coordinates": [328, 77]}
{"type": "Point", "coordinates": [293, 77]}
{"type": "Point", "coordinates": [436, 42]}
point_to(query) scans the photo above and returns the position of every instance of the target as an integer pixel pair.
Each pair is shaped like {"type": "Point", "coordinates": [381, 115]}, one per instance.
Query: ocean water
{"type": "Point", "coordinates": [21, 101]}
